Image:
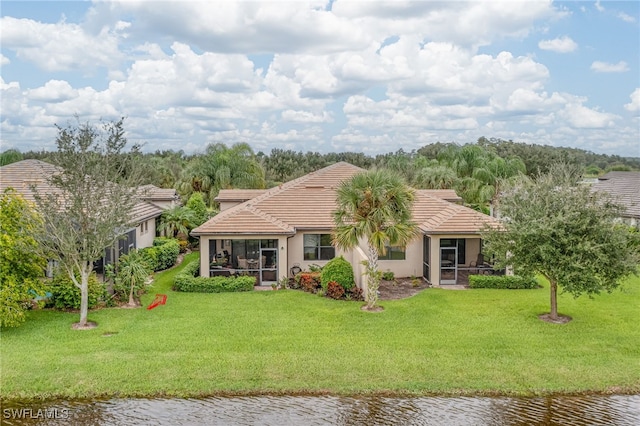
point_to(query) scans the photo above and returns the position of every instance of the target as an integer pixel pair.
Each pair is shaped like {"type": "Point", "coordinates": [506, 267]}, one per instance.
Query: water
{"type": "Point", "coordinates": [330, 410]}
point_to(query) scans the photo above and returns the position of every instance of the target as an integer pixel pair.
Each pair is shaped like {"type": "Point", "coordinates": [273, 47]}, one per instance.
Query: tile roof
{"type": "Point", "coordinates": [153, 193]}
{"type": "Point", "coordinates": [238, 195]}
{"type": "Point", "coordinates": [24, 174]}
{"type": "Point", "coordinates": [624, 187]}
{"type": "Point", "coordinates": [307, 203]}
{"type": "Point", "coordinates": [443, 194]}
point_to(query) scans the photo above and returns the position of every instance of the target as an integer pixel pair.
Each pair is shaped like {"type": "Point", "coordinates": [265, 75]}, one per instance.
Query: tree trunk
{"type": "Point", "coordinates": [373, 280]}
{"type": "Point", "coordinates": [553, 286]}
{"type": "Point", "coordinates": [131, 301]}
{"type": "Point", "coordinates": [84, 293]}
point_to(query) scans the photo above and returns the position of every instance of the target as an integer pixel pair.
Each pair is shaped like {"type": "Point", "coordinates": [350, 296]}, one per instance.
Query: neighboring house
{"type": "Point", "coordinates": [22, 175]}
{"type": "Point", "coordinates": [623, 187]}
{"type": "Point", "coordinates": [272, 233]}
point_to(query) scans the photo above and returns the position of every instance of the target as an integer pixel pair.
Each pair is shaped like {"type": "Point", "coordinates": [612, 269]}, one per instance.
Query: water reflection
{"type": "Point", "coordinates": [327, 410]}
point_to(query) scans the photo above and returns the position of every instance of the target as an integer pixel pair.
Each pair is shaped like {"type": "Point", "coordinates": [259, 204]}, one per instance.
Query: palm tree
{"type": "Point", "coordinates": [435, 176]}
{"type": "Point", "coordinates": [375, 206]}
{"type": "Point", "coordinates": [480, 173]}
{"type": "Point", "coordinates": [178, 220]}
{"type": "Point", "coordinates": [221, 167]}
{"type": "Point", "coordinates": [133, 271]}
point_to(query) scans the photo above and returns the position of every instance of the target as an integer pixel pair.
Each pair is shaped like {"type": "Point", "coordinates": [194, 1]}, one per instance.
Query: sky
{"type": "Point", "coordinates": [325, 76]}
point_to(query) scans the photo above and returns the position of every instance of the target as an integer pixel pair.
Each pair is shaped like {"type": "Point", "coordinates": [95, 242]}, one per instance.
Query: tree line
{"type": "Point", "coordinates": [476, 171]}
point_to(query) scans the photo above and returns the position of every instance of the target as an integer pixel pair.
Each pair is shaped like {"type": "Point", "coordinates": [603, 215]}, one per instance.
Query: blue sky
{"type": "Point", "coordinates": [364, 76]}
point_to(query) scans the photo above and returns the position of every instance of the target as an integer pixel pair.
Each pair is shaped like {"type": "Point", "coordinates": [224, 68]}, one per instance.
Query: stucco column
{"type": "Point", "coordinates": [204, 256]}
{"type": "Point", "coordinates": [434, 261]}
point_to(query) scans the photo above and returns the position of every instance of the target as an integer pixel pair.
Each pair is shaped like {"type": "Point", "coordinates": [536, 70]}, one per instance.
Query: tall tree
{"type": "Point", "coordinates": [560, 229]}
{"type": "Point", "coordinates": [374, 206]}
{"type": "Point", "coordinates": [177, 220]}
{"type": "Point", "coordinates": [10, 156]}
{"type": "Point", "coordinates": [21, 268]}
{"type": "Point", "coordinates": [222, 167]}
{"type": "Point", "coordinates": [91, 201]}
{"type": "Point", "coordinates": [480, 173]}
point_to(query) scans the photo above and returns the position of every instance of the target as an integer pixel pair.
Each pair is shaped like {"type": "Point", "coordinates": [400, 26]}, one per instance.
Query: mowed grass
{"type": "Point", "coordinates": [472, 342]}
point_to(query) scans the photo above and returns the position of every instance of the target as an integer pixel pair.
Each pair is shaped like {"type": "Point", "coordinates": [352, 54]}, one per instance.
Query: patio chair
{"type": "Point", "coordinates": [243, 263]}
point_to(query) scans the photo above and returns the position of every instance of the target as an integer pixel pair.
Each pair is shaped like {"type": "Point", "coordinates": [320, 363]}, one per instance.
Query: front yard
{"type": "Point", "coordinates": [437, 342]}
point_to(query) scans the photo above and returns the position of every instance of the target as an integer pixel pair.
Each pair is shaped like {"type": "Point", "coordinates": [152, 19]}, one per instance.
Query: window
{"type": "Point", "coordinates": [318, 247]}
{"type": "Point", "coordinates": [393, 253]}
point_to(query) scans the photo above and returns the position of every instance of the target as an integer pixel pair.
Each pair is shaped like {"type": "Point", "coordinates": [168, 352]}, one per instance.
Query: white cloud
{"type": "Point", "coordinates": [599, 7]}
{"type": "Point", "coordinates": [52, 91]}
{"type": "Point", "coordinates": [306, 117]}
{"type": "Point", "coordinates": [4, 61]}
{"type": "Point", "coordinates": [61, 46]}
{"type": "Point", "coordinates": [634, 105]}
{"type": "Point", "coordinates": [626, 18]}
{"type": "Point", "coordinates": [599, 66]}
{"type": "Point", "coordinates": [582, 117]}
{"type": "Point", "coordinates": [560, 45]}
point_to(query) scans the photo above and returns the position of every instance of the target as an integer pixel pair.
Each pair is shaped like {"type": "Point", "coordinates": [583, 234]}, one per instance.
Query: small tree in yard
{"type": "Point", "coordinates": [90, 202]}
{"type": "Point", "coordinates": [132, 275]}
{"type": "Point", "coordinates": [21, 268]}
{"type": "Point", "coordinates": [374, 206]}
{"type": "Point", "coordinates": [560, 229]}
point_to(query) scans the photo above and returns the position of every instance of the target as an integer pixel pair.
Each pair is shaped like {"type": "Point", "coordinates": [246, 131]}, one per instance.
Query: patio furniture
{"type": "Point", "coordinates": [243, 263]}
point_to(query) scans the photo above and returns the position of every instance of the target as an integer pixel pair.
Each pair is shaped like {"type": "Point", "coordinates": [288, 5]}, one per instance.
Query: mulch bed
{"type": "Point", "coordinates": [401, 288]}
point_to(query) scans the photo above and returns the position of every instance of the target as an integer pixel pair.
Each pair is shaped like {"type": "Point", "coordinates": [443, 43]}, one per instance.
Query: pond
{"type": "Point", "coordinates": [331, 410]}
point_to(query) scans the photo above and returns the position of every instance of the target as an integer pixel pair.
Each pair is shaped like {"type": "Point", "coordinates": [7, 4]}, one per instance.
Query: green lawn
{"type": "Point", "coordinates": [438, 342]}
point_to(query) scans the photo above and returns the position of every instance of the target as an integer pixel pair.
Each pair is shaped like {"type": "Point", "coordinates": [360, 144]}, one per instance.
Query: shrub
{"type": "Point", "coordinates": [65, 294]}
{"type": "Point", "coordinates": [335, 290]}
{"type": "Point", "coordinates": [183, 245]}
{"type": "Point", "coordinates": [339, 271]}
{"type": "Point", "coordinates": [388, 276]}
{"type": "Point", "coordinates": [502, 282]}
{"type": "Point", "coordinates": [163, 254]}
{"type": "Point", "coordinates": [354, 293]}
{"type": "Point", "coordinates": [309, 281]}
{"type": "Point", "coordinates": [188, 281]}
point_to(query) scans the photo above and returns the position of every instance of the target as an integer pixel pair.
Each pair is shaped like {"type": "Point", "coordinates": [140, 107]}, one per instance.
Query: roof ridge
{"type": "Point", "coordinates": [286, 185]}
{"type": "Point", "coordinates": [279, 223]}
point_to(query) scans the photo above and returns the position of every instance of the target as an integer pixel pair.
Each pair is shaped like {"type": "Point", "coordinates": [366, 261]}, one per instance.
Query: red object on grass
{"type": "Point", "coordinates": [160, 299]}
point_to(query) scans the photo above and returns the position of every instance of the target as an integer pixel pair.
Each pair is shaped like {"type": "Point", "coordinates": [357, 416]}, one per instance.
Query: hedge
{"type": "Point", "coordinates": [163, 255]}
{"type": "Point", "coordinates": [188, 281]}
{"type": "Point", "coordinates": [502, 282]}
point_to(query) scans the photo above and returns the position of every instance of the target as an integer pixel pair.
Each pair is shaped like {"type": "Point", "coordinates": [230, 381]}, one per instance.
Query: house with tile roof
{"type": "Point", "coordinates": [624, 187]}
{"type": "Point", "coordinates": [272, 233]}
{"type": "Point", "coordinates": [24, 175]}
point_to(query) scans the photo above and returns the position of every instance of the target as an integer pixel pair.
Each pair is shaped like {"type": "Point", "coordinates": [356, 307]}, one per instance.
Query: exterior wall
{"type": "Point", "coordinates": [291, 252]}
{"type": "Point", "coordinates": [163, 204]}
{"type": "Point", "coordinates": [296, 251]}
{"type": "Point", "coordinates": [145, 233]}
{"type": "Point", "coordinates": [225, 205]}
{"type": "Point", "coordinates": [411, 266]}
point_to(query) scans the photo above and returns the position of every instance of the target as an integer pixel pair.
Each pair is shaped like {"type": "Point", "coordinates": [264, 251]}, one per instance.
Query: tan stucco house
{"type": "Point", "coordinates": [23, 175]}
{"type": "Point", "coordinates": [273, 233]}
